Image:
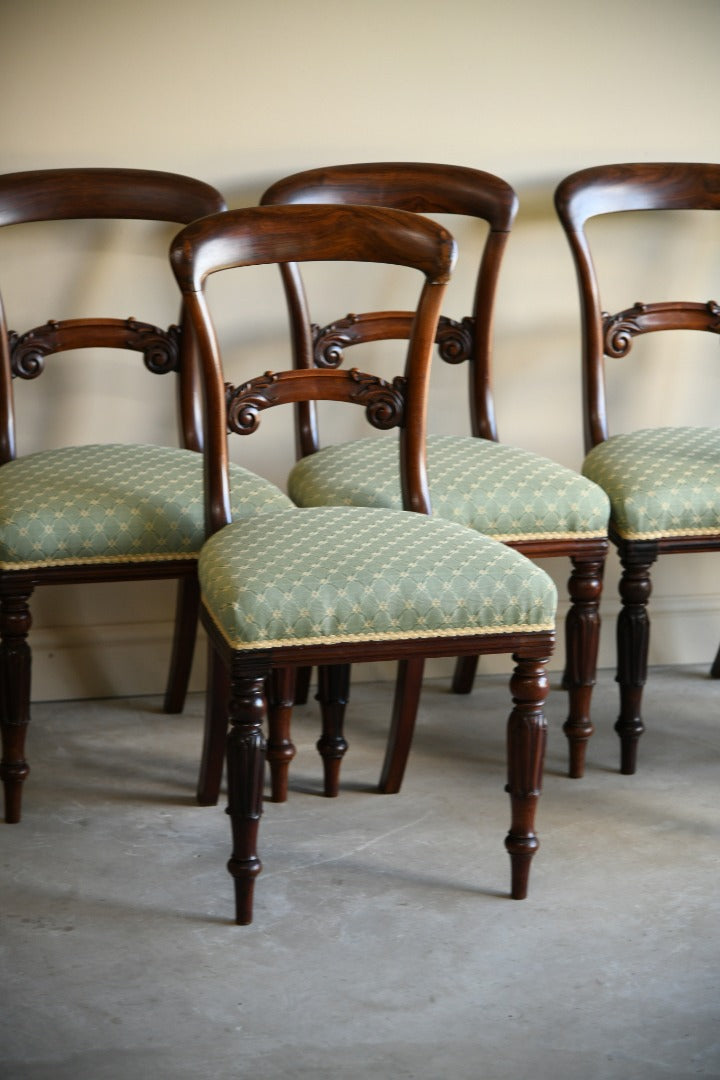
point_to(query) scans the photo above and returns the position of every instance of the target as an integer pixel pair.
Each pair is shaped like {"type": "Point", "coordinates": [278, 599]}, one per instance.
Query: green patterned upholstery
{"type": "Point", "coordinates": [345, 574]}
{"type": "Point", "coordinates": [661, 481]}
{"type": "Point", "coordinates": [502, 491]}
{"type": "Point", "coordinates": [112, 503]}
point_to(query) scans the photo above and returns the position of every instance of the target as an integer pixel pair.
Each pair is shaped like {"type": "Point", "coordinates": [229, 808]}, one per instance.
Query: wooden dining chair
{"type": "Point", "coordinates": [663, 482]}
{"type": "Point", "coordinates": [115, 512]}
{"type": "Point", "coordinates": [339, 585]}
{"type": "Point", "coordinates": [527, 501]}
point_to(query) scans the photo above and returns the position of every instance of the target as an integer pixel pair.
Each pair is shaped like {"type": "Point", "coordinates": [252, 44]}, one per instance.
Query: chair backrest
{"type": "Point", "coordinates": [296, 234]}
{"type": "Point", "coordinates": [421, 188]}
{"type": "Point", "coordinates": [610, 189]}
{"type": "Point", "coordinates": [74, 194]}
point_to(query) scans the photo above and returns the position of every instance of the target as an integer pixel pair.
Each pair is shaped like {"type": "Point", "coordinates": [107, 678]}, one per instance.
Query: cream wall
{"type": "Point", "coordinates": [240, 92]}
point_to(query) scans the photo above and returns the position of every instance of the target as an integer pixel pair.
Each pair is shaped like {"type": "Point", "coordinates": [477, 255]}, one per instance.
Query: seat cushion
{"type": "Point", "coordinates": [661, 481]}
{"type": "Point", "coordinates": [344, 574]}
{"type": "Point", "coordinates": [112, 503]}
{"type": "Point", "coordinates": [502, 491]}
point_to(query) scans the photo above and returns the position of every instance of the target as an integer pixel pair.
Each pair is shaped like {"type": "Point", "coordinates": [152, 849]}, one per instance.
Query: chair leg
{"type": "Point", "coordinates": [246, 770]}
{"type": "Point", "coordinates": [715, 669]}
{"type": "Point", "coordinates": [405, 706]}
{"type": "Point", "coordinates": [526, 738]}
{"type": "Point", "coordinates": [333, 694]}
{"type": "Point", "coordinates": [280, 748]}
{"type": "Point", "coordinates": [582, 639]}
{"type": "Point", "coordinates": [302, 685]}
{"type": "Point", "coordinates": [15, 667]}
{"type": "Point", "coordinates": [464, 677]}
{"type": "Point", "coordinates": [186, 620]}
{"type": "Point", "coordinates": [633, 640]}
{"type": "Point", "coordinates": [215, 734]}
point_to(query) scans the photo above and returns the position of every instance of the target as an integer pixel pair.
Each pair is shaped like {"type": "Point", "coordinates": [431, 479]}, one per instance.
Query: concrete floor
{"type": "Point", "coordinates": [384, 944]}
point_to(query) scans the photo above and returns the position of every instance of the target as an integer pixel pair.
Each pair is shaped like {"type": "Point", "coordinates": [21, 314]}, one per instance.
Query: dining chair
{"type": "Point", "coordinates": [117, 512]}
{"type": "Point", "coordinates": [339, 585]}
{"type": "Point", "coordinates": [663, 482]}
{"type": "Point", "coordinates": [527, 501]}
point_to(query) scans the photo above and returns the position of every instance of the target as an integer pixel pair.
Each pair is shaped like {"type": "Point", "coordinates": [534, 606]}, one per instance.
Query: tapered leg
{"type": "Point", "coordinates": [715, 669]}
{"type": "Point", "coordinates": [633, 640]}
{"type": "Point", "coordinates": [186, 621]}
{"type": "Point", "coordinates": [464, 677]}
{"type": "Point", "coordinates": [15, 664]}
{"type": "Point", "coordinates": [246, 769]}
{"type": "Point", "coordinates": [582, 638]}
{"type": "Point", "coordinates": [526, 737]}
{"type": "Point", "coordinates": [333, 694]}
{"type": "Point", "coordinates": [215, 734]}
{"type": "Point", "coordinates": [280, 748]}
{"type": "Point", "coordinates": [405, 706]}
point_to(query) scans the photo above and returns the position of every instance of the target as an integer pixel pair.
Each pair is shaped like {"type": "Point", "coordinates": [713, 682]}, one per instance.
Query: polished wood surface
{"type": "Point", "coordinates": [590, 193]}
{"type": "Point", "coordinates": [246, 237]}
{"type": "Point", "coordinates": [445, 189]}
{"type": "Point", "coordinates": [69, 194]}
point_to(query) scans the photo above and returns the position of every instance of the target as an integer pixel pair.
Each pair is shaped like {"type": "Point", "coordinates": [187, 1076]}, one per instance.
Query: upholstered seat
{"type": "Point", "coordinates": [661, 481]}
{"type": "Point", "coordinates": [388, 575]}
{"type": "Point", "coordinates": [503, 491]}
{"type": "Point", "coordinates": [112, 503]}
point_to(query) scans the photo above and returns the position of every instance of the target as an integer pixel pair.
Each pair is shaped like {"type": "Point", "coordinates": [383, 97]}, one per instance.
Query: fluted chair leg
{"type": "Point", "coordinates": [280, 748]}
{"type": "Point", "coordinates": [633, 640]}
{"type": "Point", "coordinates": [526, 738]}
{"type": "Point", "coordinates": [582, 637]}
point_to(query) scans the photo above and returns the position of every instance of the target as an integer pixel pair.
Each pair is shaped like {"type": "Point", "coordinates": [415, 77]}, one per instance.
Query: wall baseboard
{"type": "Point", "coordinates": [120, 660]}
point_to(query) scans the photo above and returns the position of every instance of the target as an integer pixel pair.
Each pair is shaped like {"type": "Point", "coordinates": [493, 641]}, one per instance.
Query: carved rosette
{"type": "Point", "coordinates": [455, 339]}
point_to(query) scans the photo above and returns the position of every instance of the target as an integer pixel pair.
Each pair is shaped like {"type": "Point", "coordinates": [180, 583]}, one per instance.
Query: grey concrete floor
{"type": "Point", "coordinates": [384, 944]}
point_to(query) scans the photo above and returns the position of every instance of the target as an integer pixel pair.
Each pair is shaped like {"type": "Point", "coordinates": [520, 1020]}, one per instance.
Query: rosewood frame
{"type": "Point", "coordinates": [272, 234]}
{"type": "Point", "coordinates": [70, 194]}
{"type": "Point", "coordinates": [589, 193]}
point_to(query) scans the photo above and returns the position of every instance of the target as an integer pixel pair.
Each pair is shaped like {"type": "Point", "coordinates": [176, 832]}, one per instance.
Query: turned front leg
{"type": "Point", "coordinates": [15, 664]}
{"type": "Point", "coordinates": [333, 694]}
{"type": "Point", "coordinates": [280, 748]}
{"type": "Point", "coordinates": [582, 639]}
{"type": "Point", "coordinates": [526, 738]}
{"type": "Point", "coordinates": [245, 773]}
{"type": "Point", "coordinates": [633, 642]}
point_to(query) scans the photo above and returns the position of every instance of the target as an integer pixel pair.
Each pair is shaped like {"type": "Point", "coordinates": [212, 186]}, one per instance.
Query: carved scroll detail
{"type": "Point", "coordinates": [384, 402]}
{"type": "Point", "coordinates": [246, 401]}
{"type": "Point", "coordinates": [160, 348]}
{"type": "Point", "coordinates": [620, 329]}
{"type": "Point", "coordinates": [455, 339]}
{"type": "Point", "coordinates": [329, 342]}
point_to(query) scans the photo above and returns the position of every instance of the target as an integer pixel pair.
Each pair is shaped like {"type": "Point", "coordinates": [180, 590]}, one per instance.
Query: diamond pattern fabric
{"type": "Point", "coordinates": [345, 574]}
{"type": "Point", "coordinates": [661, 481]}
{"type": "Point", "coordinates": [502, 491]}
{"type": "Point", "coordinates": [112, 503]}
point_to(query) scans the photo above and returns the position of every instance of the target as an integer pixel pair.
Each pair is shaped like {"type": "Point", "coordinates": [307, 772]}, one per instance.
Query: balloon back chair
{"type": "Point", "coordinates": [663, 482]}
{"type": "Point", "coordinates": [336, 585]}
{"type": "Point", "coordinates": [527, 501]}
{"type": "Point", "coordinates": [82, 514]}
